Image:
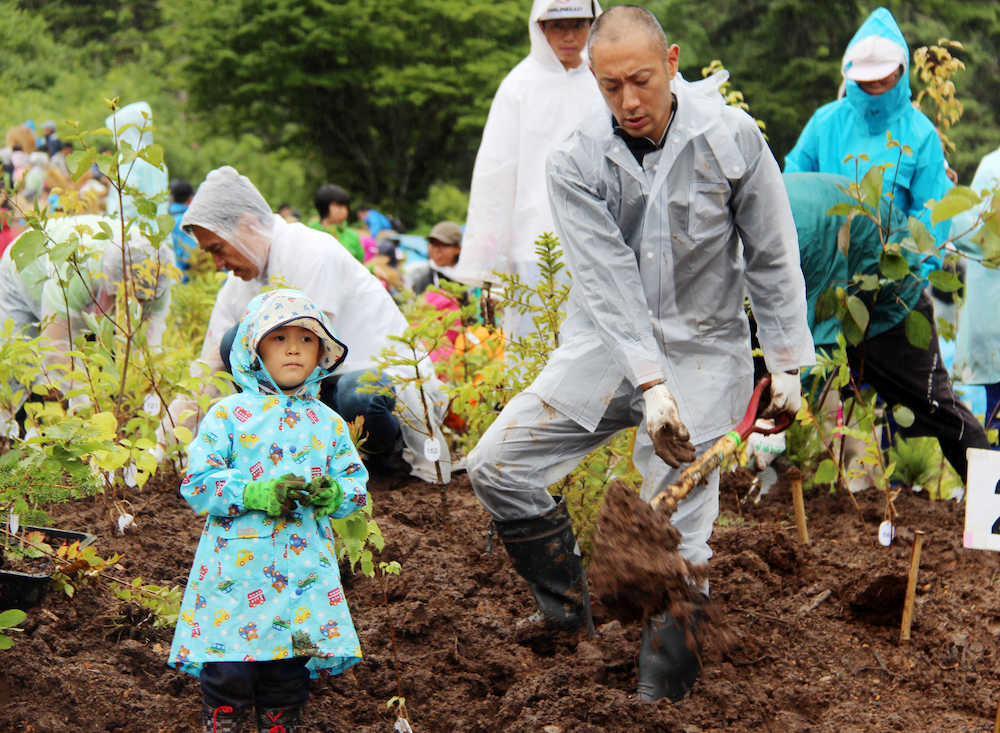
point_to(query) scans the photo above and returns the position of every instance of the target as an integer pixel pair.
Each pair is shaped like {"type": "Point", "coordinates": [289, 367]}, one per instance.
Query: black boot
{"type": "Point", "coordinates": [544, 552]}
{"type": "Point", "coordinates": [667, 666]}
{"type": "Point", "coordinates": [222, 719]}
{"type": "Point", "coordinates": [278, 720]}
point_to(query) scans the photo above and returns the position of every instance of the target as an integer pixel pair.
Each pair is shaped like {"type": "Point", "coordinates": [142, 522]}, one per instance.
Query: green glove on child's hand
{"type": "Point", "coordinates": [325, 494]}
{"type": "Point", "coordinates": [277, 497]}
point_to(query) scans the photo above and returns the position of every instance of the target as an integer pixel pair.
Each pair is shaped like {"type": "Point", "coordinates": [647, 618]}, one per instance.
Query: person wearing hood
{"type": "Point", "coordinates": [132, 124]}
{"type": "Point", "coordinates": [234, 224]}
{"type": "Point", "coordinates": [876, 69]}
{"type": "Point", "coordinates": [671, 207]}
{"type": "Point", "coordinates": [264, 609]}
{"type": "Point", "coordinates": [537, 105]}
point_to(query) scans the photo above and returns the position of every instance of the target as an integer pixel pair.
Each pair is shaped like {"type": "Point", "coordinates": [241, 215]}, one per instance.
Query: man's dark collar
{"type": "Point", "coordinates": [640, 146]}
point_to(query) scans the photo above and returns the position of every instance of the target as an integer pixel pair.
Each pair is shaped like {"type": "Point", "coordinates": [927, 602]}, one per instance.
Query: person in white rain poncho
{"type": "Point", "coordinates": [63, 302]}
{"type": "Point", "coordinates": [671, 207]}
{"type": "Point", "coordinates": [234, 224]}
{"type": "Point", "coordinates": [133, 125]}
{"type": "Point", "coordinates": [537, 105]}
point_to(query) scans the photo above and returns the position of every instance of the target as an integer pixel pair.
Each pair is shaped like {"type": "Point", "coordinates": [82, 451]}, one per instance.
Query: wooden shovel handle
{"type": "Point", "coordinates": [724, 448]}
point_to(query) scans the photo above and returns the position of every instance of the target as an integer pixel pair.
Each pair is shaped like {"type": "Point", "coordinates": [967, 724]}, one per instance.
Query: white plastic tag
{"type": "Point", "coordinates": [982, 500]}
{"type": "Point", "coordinates": [13, 523]}
{"type": "Point", "coordinates": [151, 405]}
{"type": "Point", "coordinates": [124, 522]}
{"type": "Point", "coordinates": [885, 533]}
{"type": "Point", "coordinates": [131, 476]}
{"type": "Point", "coordinates": [471, 337]}
{"type": "Point", "coordinates": [432, 451]}
{"type": "Point", "coordinates": [402, 726]}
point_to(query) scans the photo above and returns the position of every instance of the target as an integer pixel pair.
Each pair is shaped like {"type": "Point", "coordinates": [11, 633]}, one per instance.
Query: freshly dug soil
{"type": "Point", "coordinates": [817, 648]}
{"type": "Point", "coordinates": [636, 570]}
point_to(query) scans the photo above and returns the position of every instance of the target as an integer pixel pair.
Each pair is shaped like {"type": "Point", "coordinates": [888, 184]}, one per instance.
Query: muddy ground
{"type": "Point", "coordinates": [818, 631]}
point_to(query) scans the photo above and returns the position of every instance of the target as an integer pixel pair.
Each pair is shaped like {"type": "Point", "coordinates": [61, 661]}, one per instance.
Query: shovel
{"type": "Point", "coordinates": [635, 567]}
{"type": "Point", "coordinates": [723, 449]}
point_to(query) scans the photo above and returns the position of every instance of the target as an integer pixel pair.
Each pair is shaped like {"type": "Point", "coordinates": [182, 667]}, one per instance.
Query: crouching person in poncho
{"type": "Point", "coordinates": [264, 610]}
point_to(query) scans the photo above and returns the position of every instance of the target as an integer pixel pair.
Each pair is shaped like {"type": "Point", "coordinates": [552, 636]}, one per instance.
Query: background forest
{"type": "Point", "coordinates": [388, 98]}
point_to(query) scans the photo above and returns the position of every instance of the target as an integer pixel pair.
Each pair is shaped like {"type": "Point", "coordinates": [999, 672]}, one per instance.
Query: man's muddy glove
{"type": "Point", "coordinates": [786, 395]}
{"type": "Point", "coordinates": [277, 497]}
{"type": "Point", "coordinates": [325, 495]}
{"type": "Point", "coordinates": [670, 437]}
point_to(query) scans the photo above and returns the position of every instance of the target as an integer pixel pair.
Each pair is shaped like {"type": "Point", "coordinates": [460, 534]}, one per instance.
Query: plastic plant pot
{"type": "Point", "coordinates": [22, 590]}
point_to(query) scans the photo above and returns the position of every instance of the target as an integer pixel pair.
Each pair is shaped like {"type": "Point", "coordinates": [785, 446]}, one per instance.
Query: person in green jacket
{"type": "Point", "coordinates": [333, 204]}
{"type": "Point", "coordinates": [901, 373]}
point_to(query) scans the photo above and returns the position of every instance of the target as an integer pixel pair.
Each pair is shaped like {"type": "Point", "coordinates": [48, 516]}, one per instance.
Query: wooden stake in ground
{"type": "Point", "coordinates": [911, 587]}
{"type": "Point", "coordinates": [800, 510]}
{"type": "Point", "coordinates": [996, 725]}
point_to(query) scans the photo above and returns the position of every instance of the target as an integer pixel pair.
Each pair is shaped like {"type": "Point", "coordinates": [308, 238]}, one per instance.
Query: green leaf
{"type": "Point", "coordinates": [826, 305]}
{"type": "Point", "coordinates": [918, 329]}
{"type": "Point", "coordinates": [894, 266]}
{"type": "Point", "coordinates": [945, 280]}
{"type": "Point", "coordinates": [29, 247]}
{"type": "Point", "coordinates": [903, 415]}
{"type": "Point", "coordinates": [5, 642]}
{"type": "Point", "coordinates": [844, 236]}
{"type": "Point", "coordinates": [842, 209]}
{"type": "Point", "coordinates": [152, 154]}
{"type": "Point", "coordinates": [859, 311]}
{"type": "Point", "coordinates": [105, 425]}
{"type": "Point", "coordinates": [871, 186]}
{"type": "Point", "coordinates": [957, 200]}
{"type": "Point", "coordinates": [11, 618]}
{"type": "Point", "coordinates": [826, 472]}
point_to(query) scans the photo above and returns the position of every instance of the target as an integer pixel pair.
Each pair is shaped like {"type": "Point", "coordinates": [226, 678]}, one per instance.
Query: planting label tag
{"type": "Point", "coordinates": [982, 501]}
{"type": "Point", "coordinates": [885, 533]}
{"type": "Point", "coordinates": [124, 521]}
{"type": "Point", "coordinates": [13, 523]}
{"type": "Point", "coordinates": [131, 475]}
{"type": "Point", "coordinates": [432, 451]}
{"type": "Point", "coordinates": [151, 405]}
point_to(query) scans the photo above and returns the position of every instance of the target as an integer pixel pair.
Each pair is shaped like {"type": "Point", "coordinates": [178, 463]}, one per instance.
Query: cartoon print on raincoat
{"type": "Point", "coordinates": [263, 588]}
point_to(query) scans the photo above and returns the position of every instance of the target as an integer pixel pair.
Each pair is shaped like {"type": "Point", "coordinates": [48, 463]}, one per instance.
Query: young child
{"type": "Point", "coordinates": [264, 609]}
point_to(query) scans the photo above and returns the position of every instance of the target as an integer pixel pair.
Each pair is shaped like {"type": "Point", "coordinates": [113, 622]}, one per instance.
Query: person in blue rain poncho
{"type": "Point", "coordinates": [876, 69]}
{"type": "Point", "coordinates": [264, 608]}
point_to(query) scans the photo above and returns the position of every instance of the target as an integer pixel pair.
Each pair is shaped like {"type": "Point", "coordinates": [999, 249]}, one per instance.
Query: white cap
{"type": "Point", "coordinates": [872, 58]}
{"type": "Point", "coordinates": [559, 9]}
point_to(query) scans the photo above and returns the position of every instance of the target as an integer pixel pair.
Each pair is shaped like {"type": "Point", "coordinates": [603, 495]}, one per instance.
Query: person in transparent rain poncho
{"type": "Point", "coordinates": [34, 297]}
{"type": "Point", "coordinates": [234, 224]}
{"type": "Point", "coordinates": [671, 207]}
{"type": "Point", "coordinates": [133, 126]}
{"type": "Point", "coordinates": [537, 105]}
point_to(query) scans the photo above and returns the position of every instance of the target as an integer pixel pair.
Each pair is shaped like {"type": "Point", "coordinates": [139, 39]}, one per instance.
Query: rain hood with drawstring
{"type": "Point", "coordinates": [132, 123]}
{"type": "Point", "coordinates": [857, 125]}
{"type": "Point", "coordinates": [265, 588]}
{"type": "Point", "coordinates": [536, 106]}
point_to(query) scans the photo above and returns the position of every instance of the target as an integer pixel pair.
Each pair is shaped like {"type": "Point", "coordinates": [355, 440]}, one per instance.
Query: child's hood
{"type": "Point", "coordinates": [267, 312]}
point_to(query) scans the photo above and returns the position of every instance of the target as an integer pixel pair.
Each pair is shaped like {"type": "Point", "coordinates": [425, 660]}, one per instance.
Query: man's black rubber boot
{"type": "Point", "coordinates": [667, 666]}
{"type": "Point", "coordinates": [222, 719]}
{"type": "Point", "coordinates": [544, 552]}
{"type": "Point", "coordinates": [278, 720]}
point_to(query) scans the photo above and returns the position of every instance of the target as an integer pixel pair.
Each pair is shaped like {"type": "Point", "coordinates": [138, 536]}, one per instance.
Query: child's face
{"type": "Point", "coordinates": [289, 353]}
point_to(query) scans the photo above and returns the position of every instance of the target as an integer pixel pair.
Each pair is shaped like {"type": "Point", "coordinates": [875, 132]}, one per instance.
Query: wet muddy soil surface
{"type": "Point", "coordinates": [817, 627]}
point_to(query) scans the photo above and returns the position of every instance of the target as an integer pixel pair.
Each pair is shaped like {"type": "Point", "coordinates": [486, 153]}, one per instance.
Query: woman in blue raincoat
{"type": "Point", "coordinates": [264, 587]}
{"type": "Point", "coordinates": [876, 68]}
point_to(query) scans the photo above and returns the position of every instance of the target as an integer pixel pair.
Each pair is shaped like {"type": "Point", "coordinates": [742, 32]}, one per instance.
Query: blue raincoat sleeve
{"type": "Point", "coordinates": [346, 467]}
{"type": "Point", "coordinates": [803, 158]}
{"type": "Point", "coordinates": [212, 486]}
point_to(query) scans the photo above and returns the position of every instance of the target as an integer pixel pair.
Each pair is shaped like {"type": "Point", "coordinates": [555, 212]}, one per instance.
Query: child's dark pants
{"type": "Point", "coordinates": [272, 684]}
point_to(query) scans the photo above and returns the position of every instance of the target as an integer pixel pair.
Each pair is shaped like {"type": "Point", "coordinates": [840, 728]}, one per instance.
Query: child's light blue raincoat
{"type": "Point", "coordinates": [263, 588]}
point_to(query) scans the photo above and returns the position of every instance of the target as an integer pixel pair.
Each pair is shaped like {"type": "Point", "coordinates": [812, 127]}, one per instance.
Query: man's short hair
{"type": "Point", "coordinates": [180, 190]}
{"type": "Point", "coordinates": [621, 21]}
{"type": "Point", "coordinates": [330, 193]}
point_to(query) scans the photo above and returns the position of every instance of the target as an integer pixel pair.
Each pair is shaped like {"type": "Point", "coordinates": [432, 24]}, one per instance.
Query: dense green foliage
{"type": "Point", "coordinates": [388, 98]}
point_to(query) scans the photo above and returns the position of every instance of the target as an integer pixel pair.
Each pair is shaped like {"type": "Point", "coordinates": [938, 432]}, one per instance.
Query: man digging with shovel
{"type": "Point", "coordinates": [669, 209]}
